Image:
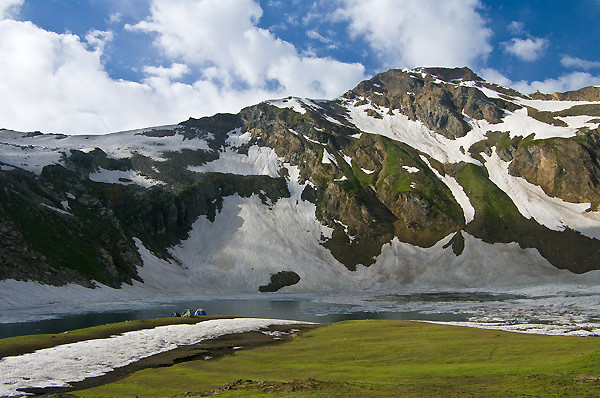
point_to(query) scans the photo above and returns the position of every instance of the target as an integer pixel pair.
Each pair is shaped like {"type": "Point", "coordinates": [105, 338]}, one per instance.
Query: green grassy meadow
{"type": "Point", "coordinates": [375, 358]}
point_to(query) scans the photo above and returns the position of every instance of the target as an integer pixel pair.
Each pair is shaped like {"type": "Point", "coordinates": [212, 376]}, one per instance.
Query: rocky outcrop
{"type": "Point", "coordinates": [564, 168]}
{"type": "Point", "coordinates": [427, 95]}
{"type": "Point", "coordinates": [280, 280]}
{"type": "Point", "coordinates": [591, 93]}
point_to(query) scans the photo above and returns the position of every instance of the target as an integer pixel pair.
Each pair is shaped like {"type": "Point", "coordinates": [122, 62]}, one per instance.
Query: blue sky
{"type": "Point", "coordinates": [99, 66]}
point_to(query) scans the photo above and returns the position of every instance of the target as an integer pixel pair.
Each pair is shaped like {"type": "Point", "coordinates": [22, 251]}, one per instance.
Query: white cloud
{"type": "Point", "coordinates": [9, 8]}
{"type": "Point", "coordinates": [578, 63]}
{"type": "Point", "coordinates": [115, 18]}
{"type": "Point", "coordinates": [313, 34]}
{"type": "Point", "coordinates": [54, 82]}
{"type": "Point", "coordinates": [174, 72]}
{"type": "Point", "coordinates": [571, 81]}
{"type": "Point", "coordinates": [225, 35]}
{"type": "Point", "coordinates": [420, 32]}
{"type": "Point", "coordinates": [98, 39]}
{"type": "Point", "coordinates": [58, 82]}
{"type": "Point", "coordinates": [529, 49]}
{"type": "Point", "coordinates": [516, 28]}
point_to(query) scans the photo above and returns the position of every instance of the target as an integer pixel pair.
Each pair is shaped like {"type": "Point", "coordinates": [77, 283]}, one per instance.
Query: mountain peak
{"type": "Point", "coordinates": [439, 97]}
{"type": "Point", "coordinates": [452, 75]}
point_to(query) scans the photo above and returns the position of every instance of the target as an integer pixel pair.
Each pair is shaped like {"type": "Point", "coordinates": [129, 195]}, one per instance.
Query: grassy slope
{"type": "Point", "coordinates": [389, 358]}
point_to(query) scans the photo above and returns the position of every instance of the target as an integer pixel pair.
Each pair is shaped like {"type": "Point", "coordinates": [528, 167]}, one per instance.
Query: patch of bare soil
{"type": "Point", "coordinates": [265, 386]}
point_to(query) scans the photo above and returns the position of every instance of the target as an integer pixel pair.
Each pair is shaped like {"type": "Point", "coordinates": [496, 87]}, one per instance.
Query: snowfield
{"type": "Point", "coordinates": [58, 366]}
{"type": "Point", "coordinates": [32, 152]}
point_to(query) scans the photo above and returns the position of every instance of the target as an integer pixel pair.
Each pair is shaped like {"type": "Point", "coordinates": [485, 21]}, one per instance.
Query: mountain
{"type": "Point", "coordinates": [416, 177]}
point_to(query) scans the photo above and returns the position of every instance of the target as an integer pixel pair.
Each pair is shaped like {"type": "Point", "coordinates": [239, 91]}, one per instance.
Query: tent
{"type": "Point", "coordinates": [175, 314]}
{"type": "Point", "coordinates": [186, 313]}
{"type": "Point", "coordinates": [200, 311]}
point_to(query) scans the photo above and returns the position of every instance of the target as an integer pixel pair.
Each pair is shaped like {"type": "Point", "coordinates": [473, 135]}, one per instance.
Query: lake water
{"type": "Point", "coordinates": [561, 307]}
{"type": "Point", "coordinates": [300, 309]}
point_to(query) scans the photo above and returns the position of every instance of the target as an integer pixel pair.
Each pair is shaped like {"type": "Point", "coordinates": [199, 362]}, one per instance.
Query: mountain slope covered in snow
{"type": "Point", "coordinates": [428, 177]}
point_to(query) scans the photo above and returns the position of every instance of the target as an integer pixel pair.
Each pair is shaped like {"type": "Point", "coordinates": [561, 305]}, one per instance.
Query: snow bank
{"type": "Point", "coordinates": [123, 177]}
{"type": "Point", "coordinates": [481, 265]}
{"type": "Point", "coordinates": [580, 330]}
{"type": "Point", "coordinates": [292, 103]}
{"type": "Point", "coordinates": [457, 191]}
{"type": "Point", "coordinates": [399, 127]}
{"type": "Point", "coordinates": [248, 242]}
{"type": "Point", "coordinates": [58, 366]}
{"type": "Point", "coordinates": [258, 161]}
{"type": "Point", "coordinates": [551, 105]}
{"type": "Point", "coordinates": [532, 201]}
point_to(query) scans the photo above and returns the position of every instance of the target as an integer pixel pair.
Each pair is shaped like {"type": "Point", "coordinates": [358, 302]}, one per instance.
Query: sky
{"type": "Point", "coordinates": [99, 66]}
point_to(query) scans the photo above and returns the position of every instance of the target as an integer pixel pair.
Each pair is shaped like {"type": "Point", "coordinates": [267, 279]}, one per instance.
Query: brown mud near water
{"type": "Point", "coordinates": [210, 349]}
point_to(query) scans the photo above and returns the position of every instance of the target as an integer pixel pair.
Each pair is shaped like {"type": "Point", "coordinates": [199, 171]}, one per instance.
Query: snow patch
{"type": "Point", "coordinates": [411, 169]}
{"type": "Point", "coordinates": [399, 127]}
{"type": "Point", "coordinates": [64, 364]}
{"type": "Point", "coordinates": [123, 177]}
{"type": "Point", "coordinates": [237, 139]}
{"type": "Point", "coordinates": [65, 205]}
{"type": "Point", "coordinates": [532, 201]}
{"type": "Point", "coordinates": [578, 122]}
{"type": "Point", "coordinates": [481, 265]}
{"type": "Point", "coordinates": [258, 161]}
{"type": "Point", "coordinates": [519, 123]}
{"type": "Point", "coordinates": [56, 209]}
{"type": "Point", "coordinates": [327, 158]}
{"type": "Point", "coordinates": [579, 330]}
{"type": "Point", "coordinates": [34, 152]}
{"type": "Point", "coordinates": [551, 105]}
{"type": "Point", "coordinates": [292, 103]}
{"type": "Point", "coordinates": [457, 191]}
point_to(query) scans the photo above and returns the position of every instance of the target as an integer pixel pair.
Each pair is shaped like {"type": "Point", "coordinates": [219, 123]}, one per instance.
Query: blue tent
{"type": "Point", "coordinates": [200, 311]}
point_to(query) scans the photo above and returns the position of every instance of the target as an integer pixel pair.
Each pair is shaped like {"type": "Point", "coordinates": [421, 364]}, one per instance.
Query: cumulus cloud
{"type": "Point", "coordinates": [9, 8]}
{"type": "Point", "coordinates": [58, 82]}
{"type": "Point", "coordinates": [571, 81]}
{"type": "Point", "coordinates": [225, 35]}
{"type": "Point", "coordinates": [420, 32]}
{"type": "Point", "coordinates": [578, 63]}
{"type": "Point", "coordinates": [529, 49]}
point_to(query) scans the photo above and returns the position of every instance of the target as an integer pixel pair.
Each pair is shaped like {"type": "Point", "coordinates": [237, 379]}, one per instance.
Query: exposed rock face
{"type": "Point", "coordinates": [420, 96]}
{"type": "Point", "coordinates": [44, 241]}
{"type": "Point", "coordinates": [564, 168]}
{"type": "Point", "coordinates": [280, 280]}
{"type": "Point", "coordinates": [591, 93]}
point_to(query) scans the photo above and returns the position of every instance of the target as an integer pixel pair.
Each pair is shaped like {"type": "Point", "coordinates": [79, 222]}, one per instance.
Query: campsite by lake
{"type": "Point", "coordinates": [546, 308]}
